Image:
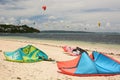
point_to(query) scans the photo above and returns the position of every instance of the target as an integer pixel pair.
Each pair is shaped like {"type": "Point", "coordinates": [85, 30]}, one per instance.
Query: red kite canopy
{"type": "Point", "coordinates": [44, 7]}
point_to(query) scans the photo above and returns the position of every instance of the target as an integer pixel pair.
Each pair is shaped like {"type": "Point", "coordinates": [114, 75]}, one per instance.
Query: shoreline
{"type": "Point", "coordinates": [89, 46]}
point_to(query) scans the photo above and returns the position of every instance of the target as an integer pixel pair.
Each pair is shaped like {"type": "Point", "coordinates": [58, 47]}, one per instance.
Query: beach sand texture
{"type": "Point", "coordinates": [46, 70]}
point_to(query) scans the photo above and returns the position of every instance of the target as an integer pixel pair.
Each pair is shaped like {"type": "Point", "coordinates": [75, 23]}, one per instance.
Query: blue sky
{"type": "Point", "coordinates": [75, 15]}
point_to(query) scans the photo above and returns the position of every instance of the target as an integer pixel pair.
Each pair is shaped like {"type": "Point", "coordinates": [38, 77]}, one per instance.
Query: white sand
{"type": "Point", "coordinates": [47, 70]}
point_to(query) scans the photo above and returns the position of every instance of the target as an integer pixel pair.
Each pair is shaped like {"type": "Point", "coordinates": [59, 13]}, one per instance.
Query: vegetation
{"type": "Point", "coordinates": [17, 29]}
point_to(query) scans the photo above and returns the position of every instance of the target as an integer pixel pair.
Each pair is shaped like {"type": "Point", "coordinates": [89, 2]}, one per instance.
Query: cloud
{"type": "Point", "coordinates": [52, 17]}
{"type": "Point", "coordinates": [19, 8]}
{"type": "Point", "coordinates": [101, 10]}
{"type": "Point", "coordinates": [26, 21]}
{"type": "Point", "coordinates": [3, 2]}
{"type": "Point", "coordinates": [10, 20]}
{"type": "Point", "coordinates": [62, 14]}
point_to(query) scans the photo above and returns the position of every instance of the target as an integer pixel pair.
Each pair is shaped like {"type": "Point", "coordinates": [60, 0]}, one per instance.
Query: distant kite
{"type": "Point", "coordinates": [44, 7]}
{"type": "Point", "coordinates": [99, 24]}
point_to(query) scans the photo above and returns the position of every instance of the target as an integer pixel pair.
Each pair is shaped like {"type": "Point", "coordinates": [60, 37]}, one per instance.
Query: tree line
{"type": "Point", "coordinates": [4, 28]}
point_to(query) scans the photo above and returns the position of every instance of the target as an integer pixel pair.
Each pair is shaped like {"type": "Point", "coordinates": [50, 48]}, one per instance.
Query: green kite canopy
{"type": "Point", "coordinates": [28, 53]}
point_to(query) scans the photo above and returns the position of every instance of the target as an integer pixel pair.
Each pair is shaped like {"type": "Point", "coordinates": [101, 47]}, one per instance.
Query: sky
{"type": "Point", "coordinates": [69, 15]}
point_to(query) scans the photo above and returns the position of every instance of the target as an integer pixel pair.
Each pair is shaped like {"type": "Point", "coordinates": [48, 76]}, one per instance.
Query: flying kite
{"type": "Point", "coordinates": [44, 7]}
{"type": "Point", "coordinates": [99, 24]}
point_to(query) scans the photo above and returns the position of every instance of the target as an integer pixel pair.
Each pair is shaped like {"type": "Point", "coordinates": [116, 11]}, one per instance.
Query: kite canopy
{"type": "Point", "coordinates": [99, 24]}
{"type": "Point", "coordinates": [44, 7]}
{"type": "Point", "coordinates": [72, 51]}
{"type": "Point", "coordinates": [28, 53]}
{"type": "Point", "coordinates": [97, 64]}
{"type": "Point", "coordinates": [69, 50]}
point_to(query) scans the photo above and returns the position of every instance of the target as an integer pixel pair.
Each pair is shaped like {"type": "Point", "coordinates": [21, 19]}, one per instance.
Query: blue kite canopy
{"type": "Point", "coordinates": [28, 53]}
{"type": "Point", "coordinates": [97, 64]}
{"type": "Point", "coordinates": [105, 64]}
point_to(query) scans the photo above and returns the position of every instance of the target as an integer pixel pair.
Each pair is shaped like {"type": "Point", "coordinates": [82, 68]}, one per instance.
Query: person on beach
{"type": "Point", "coordinates": [78, 51]}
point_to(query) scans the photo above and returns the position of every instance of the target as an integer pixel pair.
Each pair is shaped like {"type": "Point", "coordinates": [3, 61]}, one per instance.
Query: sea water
{"type": "Point", "coordinates": [105, 42]}
{"type": "Point", "coordinates": [108, 38]}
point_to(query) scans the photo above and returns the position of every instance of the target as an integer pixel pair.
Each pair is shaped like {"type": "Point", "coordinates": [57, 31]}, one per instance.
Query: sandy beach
{"type": "Point", "coordinates": [46, 70]}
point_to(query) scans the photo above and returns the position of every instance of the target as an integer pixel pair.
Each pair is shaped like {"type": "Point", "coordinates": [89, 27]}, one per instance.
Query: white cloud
{"type": "Point", "coordinates": [26, 21]}
{"type": "Point", "coordinates": [10, 20]}
{"type": "Point", "coordinates": [52, 17]}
